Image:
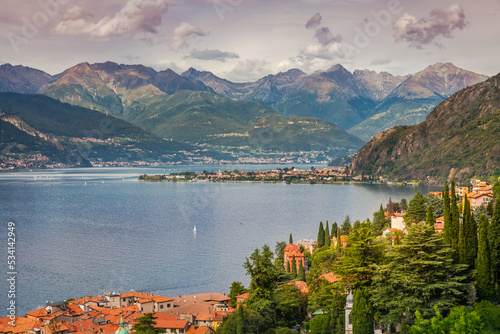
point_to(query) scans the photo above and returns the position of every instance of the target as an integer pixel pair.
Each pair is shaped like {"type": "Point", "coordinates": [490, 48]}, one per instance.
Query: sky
{"type": "Point", "coordinates": [244, 40]}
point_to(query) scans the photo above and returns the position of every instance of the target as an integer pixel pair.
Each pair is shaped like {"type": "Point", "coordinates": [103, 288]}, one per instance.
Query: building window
{"type": "Point", "coordinates": [161, 306]}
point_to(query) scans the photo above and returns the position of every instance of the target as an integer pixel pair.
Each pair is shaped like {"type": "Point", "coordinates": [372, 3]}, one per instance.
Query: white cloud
{"type": "Point", "coordinates": [248, 70]}
{"type": "Point", "coordinates": [137, 16]}
{"type": "Point", "coordinates": [329, 52]}
{"type": "Point", "coordinates": [183, 32]}
{"type": "Point", "coordinates": [212, 55]}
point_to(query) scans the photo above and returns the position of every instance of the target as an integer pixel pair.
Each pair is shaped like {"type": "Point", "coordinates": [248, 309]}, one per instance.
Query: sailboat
{"type": "Point", "coordinates": [194, 229]}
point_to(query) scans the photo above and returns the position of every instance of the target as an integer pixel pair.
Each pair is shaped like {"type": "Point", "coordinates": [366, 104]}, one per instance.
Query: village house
{"type": "Point", "coordinates": [308, 244]}
{"type": "Point", "coordinates": [292, 251]}
{"type": "Point", "coordinates": [397, 221]}
{"type": "Point", "coordinates": [439, 224]}
{"type": "Point", "coordinates": [343, 240]}
{"type": "Point", "coordinates": [477, 199]}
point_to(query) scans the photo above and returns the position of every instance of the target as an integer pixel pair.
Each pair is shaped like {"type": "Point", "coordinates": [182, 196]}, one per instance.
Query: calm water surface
{"type": "Point", "coordinates": [86, 231]}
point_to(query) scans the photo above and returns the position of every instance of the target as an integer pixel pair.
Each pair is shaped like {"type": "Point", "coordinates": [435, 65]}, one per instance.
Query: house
{"type": "Point", "coordinates": [436, 193]}
{"type": "Point", "coordinates": [477, 199]}
{"type": "Point", "coordinates": [292, 251]}
{"type": "Point", "coordinates": [240, 299]}
{"type": "Point", "coordinates": [388, 230]}
{"type": "Point", "coordinates": [463, 189]}
{"type": "Point", "coordinates": [397, 221]}
{"type": "Point", "coordinates": [195, 329]}
{"type": "Point", "coordinates": [439, 224]}
{"type": "Point", "coordinates": [308, 244]}
{"type": "Point", "coordinates": [172, 326]}
{"type": "Point", "coordinates": [301, 285]}
{"type": "Point", "coordinates": [343, 240]}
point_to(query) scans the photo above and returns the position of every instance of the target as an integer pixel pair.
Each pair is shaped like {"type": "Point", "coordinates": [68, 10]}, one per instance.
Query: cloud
{"type": "Point", "coordinates": [183, 32]}
{"type": "Point", "coordinates": [325, 37]}
{"type": "Point", "coordinates": [212, 55]}
{"type": "Point", "coordinates": [330, 52]}
{"type": "Point", "coordinates": [248, 70]}
{"type": "Point", "coordinates": [314, 21]}
{"type": "Point", "coordinates": [137, 16]}
{"type": "Point", "coordinates": [419, 32]}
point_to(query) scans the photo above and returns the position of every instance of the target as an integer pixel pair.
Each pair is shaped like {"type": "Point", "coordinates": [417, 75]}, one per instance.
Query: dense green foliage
{"type": "Point", "coordinates": [494, 241]}
{"type": "Point", "coordinates": [417, 209]}
{"type": "Point", "coordinates": [236, 289]}
{"type": "Point", "coordinates": [485, 286]}
{"type": "Point", "coordinates": [321, 235]}
{"type": "Point", "coordinates": [418, 274]}
{"type": "Point", "coordinates": [145, 325]}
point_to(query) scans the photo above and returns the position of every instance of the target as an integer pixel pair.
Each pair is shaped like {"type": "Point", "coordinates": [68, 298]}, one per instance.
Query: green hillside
{"type": "Point", "coordinates": [460, 139]}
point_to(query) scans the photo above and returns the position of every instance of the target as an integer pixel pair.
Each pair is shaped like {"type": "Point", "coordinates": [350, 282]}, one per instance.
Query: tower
{"type": "Point", "coordinates": [121, 327]}
{"type": "Point", "coordinates": [348, 308]}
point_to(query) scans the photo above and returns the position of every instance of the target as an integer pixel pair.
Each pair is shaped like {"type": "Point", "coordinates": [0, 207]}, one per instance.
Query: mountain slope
{"type": "Point", "coordinates": [335, 95]}
{"type": "Point", "coordinates": [90, 134]}
{"type": "Point", "coordinates": [21, 79]}
{"type": "Point", "coordinates": [459, 139]}
{"type": "Point", "coordinates": [113, 88]}
{"type": "Point", "coordinates": [412, 100]}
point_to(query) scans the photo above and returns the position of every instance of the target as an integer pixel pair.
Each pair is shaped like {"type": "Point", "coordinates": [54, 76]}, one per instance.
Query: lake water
{"type": "Point", "coordinates": [85, 231]}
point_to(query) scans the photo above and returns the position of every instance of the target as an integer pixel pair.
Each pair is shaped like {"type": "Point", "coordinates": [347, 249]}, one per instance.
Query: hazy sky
{"type": "Point", "coordinates": [243, 40]}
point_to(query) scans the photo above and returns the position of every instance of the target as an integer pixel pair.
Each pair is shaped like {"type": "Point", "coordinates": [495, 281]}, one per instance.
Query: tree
{"type": "Point", "coordinates": [263, 274]}
{"type": "Point", "coordinates": [362, 313]}
{"type": "Point", "coordinates": [485, 286]}
{"type": "Point", "coordinates": [327, 235]}
{"type": "Point", "coordinates": [291, 239]}
{"type": "Point", "coordinates": [321, 235]}
{"type": "Point", "coordinates": [403, 204]}
{"type": "Point", "coordinates": [334, 229]}
{"type": "Point", "coordinates": [356, 225]}
{"type": "Point", "coordinates": [416, 209]}
{"type": "Point", "coordinates": [494, 241]}
{"type": "Point", "coordinates": [356, 263]}
{"type": "Point", "coordinates": [390, 207]}
{"type": "Point", "coordinates": [339, 242]}
{"type": "Point", "coordinates": [145, 325]}
{"type": "Point", "coordinates": [437, 205]}
{"type": "Point", "coordinates": [279, 250]}
{"type": "Point", "coordinates": [447, 215]}
{"type": "Point", "coordinates": [240, 329]}
{"type": "Point", "coordinates": [471, 242]}
{"type": "Point", "coordinates": [294, 266]}
{"type": "Point", "coordinates": [301, 274]}
{"type": "Point", "coordinates": [429, 219]}
{"type": "Point", "coordinates": [236, 289]}
{"type": "Point", "coordinates": [379, 220]}
{"type": "Point", "coordinates": [454, 221]}
{"type": "Point", "coordinates": [418, 274]}
{"type": "Point", "coordinates": [346, 226]}
{"type": "Point", "coordinates": [459, 321]}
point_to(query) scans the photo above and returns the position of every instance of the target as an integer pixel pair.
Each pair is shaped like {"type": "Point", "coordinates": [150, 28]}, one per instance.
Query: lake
{"type": "Point", "coordinates": [88, 230]}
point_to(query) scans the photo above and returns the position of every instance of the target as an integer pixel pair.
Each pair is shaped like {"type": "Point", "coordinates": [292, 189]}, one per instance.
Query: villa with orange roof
{"type": "Point", "coordinates": [291, 251]}
{"type": "Point", "coordinates": [478, 199]}
{"type": "Point", "coordinates": [397, 221]}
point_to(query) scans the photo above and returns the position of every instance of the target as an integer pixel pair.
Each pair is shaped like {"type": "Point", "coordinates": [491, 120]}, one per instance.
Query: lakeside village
{"type": "Point", "coordinates": [285, 175]}
{"type": "Point", "coordinates": [406, 271]}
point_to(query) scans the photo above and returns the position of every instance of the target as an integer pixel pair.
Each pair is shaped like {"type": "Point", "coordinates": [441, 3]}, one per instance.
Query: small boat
{"type": "Point", "coordinates": [194, 229]}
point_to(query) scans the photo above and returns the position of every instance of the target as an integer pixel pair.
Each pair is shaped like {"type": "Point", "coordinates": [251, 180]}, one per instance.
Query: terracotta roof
{"type": "Point", "coordinates": [38, 313]}
{"type": "Point", "coordinates": [243, 296]}
{"type": "Point", "coordinates": [477, 195]}
{"type": "Point", "coordinates": [171, 324]}
{"type": "Point", "coordinates": [193, 329]}
{"type": "Point", "coordinates": [161, 299]}
{"type": "Point", "coordinates": [301, 285]}
{"type": "Point", "coordinates": [22, 325]}
{"type": "Point", "coordinates": [330, 277]}
{"type": "Point", "coordinates": [204, 317]}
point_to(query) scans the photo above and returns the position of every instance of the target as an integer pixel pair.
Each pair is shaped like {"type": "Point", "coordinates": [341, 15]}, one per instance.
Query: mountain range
{"type": "Point", "coordinates": [333, 111]}
{"type": "Point", "coordinates": [459, 139]}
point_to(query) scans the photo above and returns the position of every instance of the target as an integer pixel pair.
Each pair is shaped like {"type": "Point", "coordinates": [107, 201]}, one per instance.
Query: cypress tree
{"type": "Point", "coordinates": [334, 229]}
{"type": "Point", "coordinates": [446, 215]}
{"type": "Point", "coordinates": [339, 242]}
{"type": "Point", "coordinates": [485, 286]}
{"type": "Point", "coordinates": [302, 273]}
{"type": "Point", "coordinates": [429, 219]}
{"type": "Point", "coordinates": [461, 243]}
{"type": "Point", "coordinates": [494, 241]}
{"type": "Point", "coordinates": [291, 239]}
{"type": "Point", "coordinates": [454, 221]}
{"type": "Point", "coordinates": [327, 235]}
{"type": "Point", "coordinates": [321, 235]}
{"type": "Point", "coordinates": [362, 313]}
{"type": "Point", "coordinates": [470, 234]}
{"type": "Point", "coordinates": [288, 268]}
{"type": "Point", "coordinates": [294, 266]}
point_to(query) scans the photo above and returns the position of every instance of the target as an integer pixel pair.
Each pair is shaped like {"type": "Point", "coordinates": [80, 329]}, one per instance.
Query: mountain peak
{"type": "Point", "coordinates": [336, 67]}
